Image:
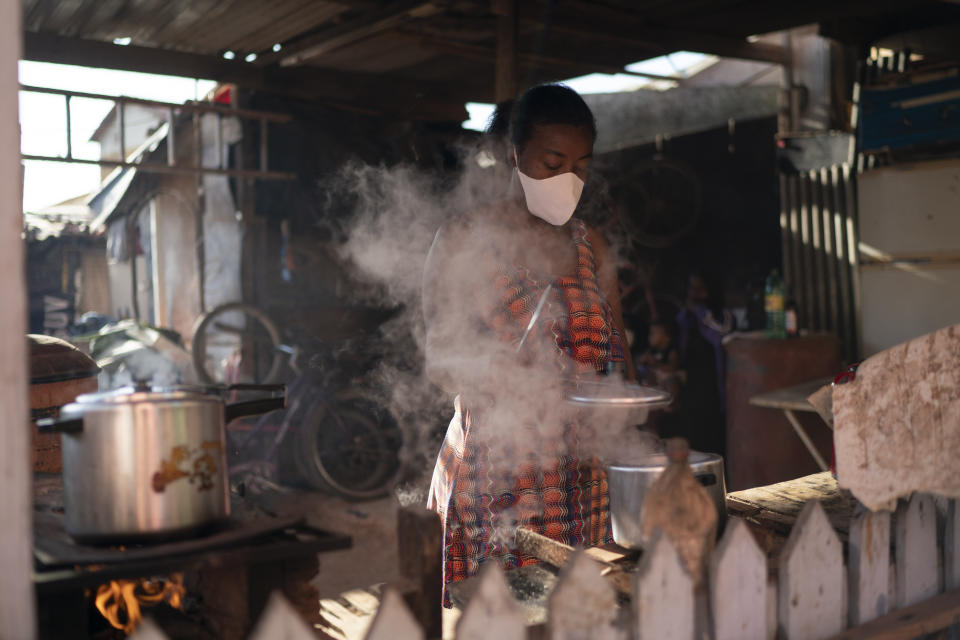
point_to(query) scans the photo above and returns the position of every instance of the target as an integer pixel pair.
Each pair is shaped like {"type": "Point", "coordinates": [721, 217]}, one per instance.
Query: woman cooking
{"type": "Point", "coordinates": [512, 454]}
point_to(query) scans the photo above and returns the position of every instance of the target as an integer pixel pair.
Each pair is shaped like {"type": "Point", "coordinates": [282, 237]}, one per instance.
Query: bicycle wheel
{"type": "Point", "coordinates": [237, 343]}
{"type": "Point", "coordinates": [350, 446]}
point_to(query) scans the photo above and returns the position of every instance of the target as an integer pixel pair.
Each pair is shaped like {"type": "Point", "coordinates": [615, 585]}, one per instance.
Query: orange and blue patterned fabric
{"type": "Point", "coordinates": [565, 498]}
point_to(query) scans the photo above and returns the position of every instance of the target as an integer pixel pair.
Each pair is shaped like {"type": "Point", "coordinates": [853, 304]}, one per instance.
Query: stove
{"type": "Point", "coordinates": [231, 570]}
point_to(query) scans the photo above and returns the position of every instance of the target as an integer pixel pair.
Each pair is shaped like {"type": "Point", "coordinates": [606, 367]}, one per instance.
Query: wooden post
{"type": "Point", "coordinates": [582, 605]}
{"type": "Point", "coordinates": [738, 583]}
{"type": "Point", "coordinates": [869, 566]}
{"type": "Point", "coordinates": [394, 620]}
{"type": "Point", "coordinates": [812, 589]}
{"type": "Point", "coordinates": [17, 606]}
{"type": "Point", "coordinates": [492, 612]}
{"type": "Point", "coordinates": [420, 545]}
{"type": "Point", "coordinates": [280, 621]}
{"type": "Point", "coordinates": [664, 606]}
{"type": "Point", "coordinates": [506, 85]}
{"type": "Point", "coordinates": [951, 548]}
{"type": "Point", "coordinates": [918, 571]}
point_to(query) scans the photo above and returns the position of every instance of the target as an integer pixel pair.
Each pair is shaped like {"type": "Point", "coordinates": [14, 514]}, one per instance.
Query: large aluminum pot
{"type": "Point", "coordinates": [628, 485]}
{"type": "Point", "coordinates": [144, 464]}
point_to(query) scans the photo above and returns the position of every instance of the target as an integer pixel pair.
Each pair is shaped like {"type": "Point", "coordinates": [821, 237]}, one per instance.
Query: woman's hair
{"type": "Point", "coordinates": [498, 125]}
{"type": "Point", "coordinates": [547, 104]}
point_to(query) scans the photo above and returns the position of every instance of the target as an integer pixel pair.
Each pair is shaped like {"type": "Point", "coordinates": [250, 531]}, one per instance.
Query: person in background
{"type": "Point", "coordinates": [505, 462]}
{"type": "Point", "coordinates": [702, 325]}
{"type": "Point", "coordinates": [659, 365]}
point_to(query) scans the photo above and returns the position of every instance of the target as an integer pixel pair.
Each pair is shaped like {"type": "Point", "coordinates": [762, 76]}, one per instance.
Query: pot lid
{"type": "Point", "coordinates": [143, 393]}
{"type": "Point", "coordinates": [656, 461]}
{"type": "Point", "coordinates": [617, 394]}
{"type": "Point", "coordinates": [56, 360]}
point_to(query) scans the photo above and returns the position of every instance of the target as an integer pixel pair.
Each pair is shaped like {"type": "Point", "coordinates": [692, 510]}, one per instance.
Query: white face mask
{"type": "Point", "coordinates": [552, 199]}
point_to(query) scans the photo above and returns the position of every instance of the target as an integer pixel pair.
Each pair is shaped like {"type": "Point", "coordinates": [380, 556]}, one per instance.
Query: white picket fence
{"type": "Point", "coordinates": [815, 594]}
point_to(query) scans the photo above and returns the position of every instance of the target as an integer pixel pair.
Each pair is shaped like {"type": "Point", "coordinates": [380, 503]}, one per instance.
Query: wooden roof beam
{"type": "Point", "coordinates": [419, 101]}
{"type": "Point", "coordinates": [531, 59]}
{"type": "Point", "coordinates": [625, 28]}
{"type": "Point", "coordinates": [370, 23]}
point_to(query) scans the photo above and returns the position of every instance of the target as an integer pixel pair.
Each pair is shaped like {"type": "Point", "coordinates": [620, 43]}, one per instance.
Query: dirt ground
{"type": "Point", "coordinates": [371, 524]}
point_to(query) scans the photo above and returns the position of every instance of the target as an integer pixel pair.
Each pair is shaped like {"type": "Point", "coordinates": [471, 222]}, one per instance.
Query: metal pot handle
{"type": "Point", "coordinates": [252, 408]}
{"type": "Point", "coordinates": [59, 425]}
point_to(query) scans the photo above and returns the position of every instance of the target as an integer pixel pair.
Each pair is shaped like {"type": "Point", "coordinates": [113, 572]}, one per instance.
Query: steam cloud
{"type": "Point", "coordinates": [397, 212]}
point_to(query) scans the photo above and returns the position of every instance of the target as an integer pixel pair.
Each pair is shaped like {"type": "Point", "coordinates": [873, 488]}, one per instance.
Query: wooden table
{"type": "Point", "coordinates": [792, 399]}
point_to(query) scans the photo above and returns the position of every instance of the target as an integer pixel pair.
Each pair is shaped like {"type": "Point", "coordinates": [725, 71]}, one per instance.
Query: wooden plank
{"type": "Point", "coordinates": [771, 608]}
{"type": "Point", "coordinates": [350, 31]}
{"type": "Point", "coordinates": [869, 566]}
{"type": "Point", "coordinates": [811, 589]}
{"type": "Point", "coordinates": [951, 547]}
{"type": "Point", "coordinates": [918, 571]}
{"type": "Point", "coordinates": [780, 504]}
{"type": "Point", "coordinates": [897, 426]}
{"type": "Point", "coordinates": [17, 604]}
{"type": "Point", "coordinates": [280, 621]}
{"type": "Point", "coordinates": [394, 621]}
{"type": "Point", "coordinates": [506, 86]}
{"type": "Point", "coordinates": [664, 594]}
{"type": "Point", "coordinates": [588, 19]}
{"type": "Point", "coordinates": [582, 605]}
{"type": "Point", "coordinates": [420, 547]}
{"type": "Point", "coordinates": [492, 612]}
{"type": "Point", "coordinates": [794, 398]}
{"type": "Point", "coordinates": [738, 581]}
{"type": "Point", "coordinates": [910, 622]}
{"type": "Point", "coordinates": [559, 554]}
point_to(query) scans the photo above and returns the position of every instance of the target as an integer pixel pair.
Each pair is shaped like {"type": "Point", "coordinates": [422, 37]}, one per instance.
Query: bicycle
{"type": "Point", "coordinates": [336, 434]}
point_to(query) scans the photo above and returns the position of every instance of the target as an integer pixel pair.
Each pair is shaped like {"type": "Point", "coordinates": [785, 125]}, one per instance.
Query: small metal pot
{"type": "Point", "coordinates": [628, 485]}
{"type": "Point", "coordinates": [142, 464]}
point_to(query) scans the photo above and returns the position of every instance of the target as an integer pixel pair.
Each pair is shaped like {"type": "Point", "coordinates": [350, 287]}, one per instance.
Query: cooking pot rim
{"type": "Point", "coordinates": [132, 395]}
{"type": "Point", "coordinates": [656, 461]}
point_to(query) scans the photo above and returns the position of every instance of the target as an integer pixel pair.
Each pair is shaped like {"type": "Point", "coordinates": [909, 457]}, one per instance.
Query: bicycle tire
{"type": "Point", "coordinates": [199, 342]}
{"type": "Point", "coordinates": [374, 429]}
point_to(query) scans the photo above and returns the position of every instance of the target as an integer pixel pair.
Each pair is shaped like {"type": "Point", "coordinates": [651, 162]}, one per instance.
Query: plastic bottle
{"type": "Point", "coordinates": [679, 506]}
{"type": "Point", "coordinates": [773, 302]}
{"type": "Point", "coordinates": [791, 321]}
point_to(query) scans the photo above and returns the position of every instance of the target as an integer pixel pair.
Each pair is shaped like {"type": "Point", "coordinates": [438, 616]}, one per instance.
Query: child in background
{"type": "Point", "coordinates": [659, 365]}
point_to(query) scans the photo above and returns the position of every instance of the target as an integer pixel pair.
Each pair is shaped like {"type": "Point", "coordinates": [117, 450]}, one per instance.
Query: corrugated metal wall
{"type": "Point", "coordinates": [818, 223]}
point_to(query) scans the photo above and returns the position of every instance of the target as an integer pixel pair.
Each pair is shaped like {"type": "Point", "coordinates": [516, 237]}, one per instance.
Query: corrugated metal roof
{"type": "Point", "coordinates": [446, 47]}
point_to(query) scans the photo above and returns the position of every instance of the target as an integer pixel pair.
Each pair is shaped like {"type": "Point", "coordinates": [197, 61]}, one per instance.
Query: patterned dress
{"type": "Point", "coordinates": [565, 498]}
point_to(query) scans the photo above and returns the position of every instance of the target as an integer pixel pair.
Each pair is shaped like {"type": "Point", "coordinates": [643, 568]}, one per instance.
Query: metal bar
{"type": "Point", "coordinates": [263, 145]}
{"type": "Point", "coordinates": [805, 439]}
{"type": "Point", "coordinates": [121, 118]}
{"type": "Point", "coordinates": [789, 277]}
{"type": "Point", "coordinates": [807, 255]}
{"type": "Point", "coordinates": [189, 106]}
{"type": "Point", "coordinates": [819, 255]}
{"type": "Point", "coordinates": [163, 168]}
{"type": "Point", "coordinates": [171, 139]}
{"type": "Point", "coordinates": [853, 254]}
{"type": "Point", "coordinates": [197, 143]}
{"type": "Point", "coordinates": [69, 130]}
{"type": "Point", "coordinates": [219, 141]}
{"type": "Point", "coordinates": [843, 266]}
{"type": "Point", "coordinates": [796, 253]}
{"type": "Point", "coordinates": [829, 248]}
